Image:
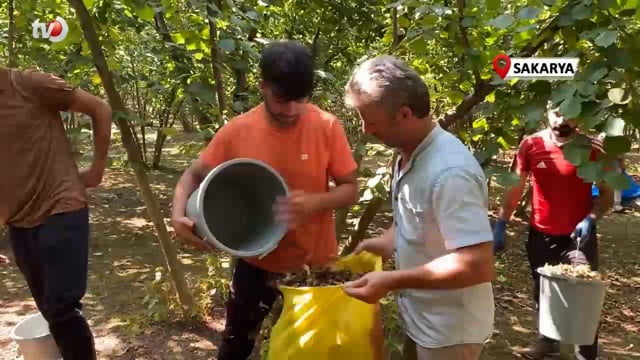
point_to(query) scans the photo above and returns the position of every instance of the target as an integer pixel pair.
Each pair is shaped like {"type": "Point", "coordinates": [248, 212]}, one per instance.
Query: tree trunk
{"type": "Point", "coordinates": [240, 92]}
{"type": "Point", "coordinates": [342, 215]}
{"type": "Point", "coordinates": [11, 42]}
{"type": "Point", "coordinates": [365, 220]}
{"type": "Point", "coordinates": [161, 136]}
{"type": "Point", "coordinates": [134, 156]}
{"type": "Point", "coordinates": [214, 10]}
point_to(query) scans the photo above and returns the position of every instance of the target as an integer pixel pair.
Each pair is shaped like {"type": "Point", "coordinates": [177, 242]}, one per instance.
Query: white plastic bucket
{"type": "Point", "coordinates": [570, 308]}
{"type": "Point", "coordinates": [34, 339]}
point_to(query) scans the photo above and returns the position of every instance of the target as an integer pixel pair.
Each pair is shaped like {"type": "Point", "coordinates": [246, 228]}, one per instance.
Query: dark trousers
{"type": "Point", "coordinates": [53, 257]}
{"type": "Point", "coordinates": [251, 298]}
{"type": "Point", "coordinates": [546, 249]}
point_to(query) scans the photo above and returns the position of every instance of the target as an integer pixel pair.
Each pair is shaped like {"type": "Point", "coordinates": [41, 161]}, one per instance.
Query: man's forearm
{"type": "Point", "coordinates": [450, 271]}
{"type": "Point", "coordinates": [341, 196]}
{"type": "Point", "coordinates": [389, 235]}
{"type": "Point", "coordinates": [101, 123]}
{"type": "Point", "coordinates": [510, 202]}
{"type": "Point", "coordinates": [188, 183]}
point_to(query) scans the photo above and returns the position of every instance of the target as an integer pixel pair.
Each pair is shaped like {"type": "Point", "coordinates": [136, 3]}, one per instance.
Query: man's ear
{"type": "Point", "coordinates": [262, 87]}
{"type": "Point", "coordinates": [404, 113]}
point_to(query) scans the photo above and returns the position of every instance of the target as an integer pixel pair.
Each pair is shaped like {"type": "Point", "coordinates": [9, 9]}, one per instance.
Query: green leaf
{"type": "Point", "coordinates": [616, 145]}
{"type": "Point", "coordinates": [617, 96]}
{"type": "Point", "coordinates": [617, 180]}
{"type": "Point", "coordinates": [253, 15]}
{"type": "Point", "coordinates": [468, 21]}
{"type": "Point", "coordinates": [571, 107]}
{"type": "Point", "coordinates": [627, 13]}
{"type": "Point", "coordinates": [565, 20]}
{"type": "Point", "coordinates": [503, 21]}
{"type": "Point", "coordinates": [529, 12]}
{"type": "Point", "coordinates": [598, 74]}
{"type": "Point", "coordinates": [620, 58]}
{"type": "Point", "coordinates": [585, 88]}
{"type": "Point", "coordinates": [576, 153]}
{"type": "Point", "coordinates": [581, 12]}
{"type": "Point", "coordinates": [591, 171]}
{"type": "Point", "coordinates": [591, 114]}
{"type": "Point", "coordinates": [606, 38]}
{"type": "Point", "coordinates": [562, 92]}
{"type": "Point", "coordinates": [227, 45]}
{"type": "Point", "coordinates": [455, 96]}
{"type": "Point", "coordinates": [89, 3]}
{"type": "Point", "coordinates": [549, 2]}
{"type": "Point", "coordinates": [606, 4]}
{"type": "Point", "coordinates": [541, 88]}
{"type": "Point", "coordinates": [493, 4]}
{"type": "Point", "coordinates": [145, 13]}
{"type": "Point", "coordinates": [403, 22]}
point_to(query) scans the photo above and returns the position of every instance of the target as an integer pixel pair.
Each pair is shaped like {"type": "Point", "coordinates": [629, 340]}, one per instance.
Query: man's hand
{"type": "Point", "coordinates": [4, 260]}
{"type": "Point", "coordinates": [370, 288]}
{"type": "Point", "coordinates": [378, 246]}
{"type": "Point", "coordinates": [499, 236]}
{"type": "Point", "coordinates": [183, 226]}
{"type": "Point", "coordinates": [295, 208]}
{"type": "Point", "coordinates": [583, 230]}
{"type": "Point", "coordinates": [92, 176]}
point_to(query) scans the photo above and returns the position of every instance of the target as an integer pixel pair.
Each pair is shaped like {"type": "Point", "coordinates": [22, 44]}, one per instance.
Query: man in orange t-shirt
{"type": "Point", "coordinates": [307, 146]}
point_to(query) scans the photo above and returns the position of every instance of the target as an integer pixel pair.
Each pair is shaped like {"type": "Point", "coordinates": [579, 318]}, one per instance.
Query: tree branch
{"type": "Point", "coordinates": [484, 87]}
{"type": "Point", "coordinates": [465, 38]}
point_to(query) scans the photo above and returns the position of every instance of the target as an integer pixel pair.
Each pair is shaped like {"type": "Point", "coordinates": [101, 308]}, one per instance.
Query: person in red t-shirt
{"type": "Point", "coordinates": [563, 211]}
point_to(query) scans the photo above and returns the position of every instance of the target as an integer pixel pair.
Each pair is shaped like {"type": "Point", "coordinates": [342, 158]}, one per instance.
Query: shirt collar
{"type": "Point", "coordinates": [422, 147]}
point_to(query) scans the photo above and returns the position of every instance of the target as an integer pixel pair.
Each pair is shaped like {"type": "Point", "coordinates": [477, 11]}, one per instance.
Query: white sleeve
{"type": "Point", "coordinates": [460, 203]}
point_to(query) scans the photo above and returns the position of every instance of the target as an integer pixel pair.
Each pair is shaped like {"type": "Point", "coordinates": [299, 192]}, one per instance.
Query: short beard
{"type": "Point", "coordinates": [277, 120]}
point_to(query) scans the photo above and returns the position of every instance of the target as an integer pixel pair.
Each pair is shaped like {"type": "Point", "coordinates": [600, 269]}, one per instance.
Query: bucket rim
{"type": "Point", "coordinates": [544, 273]}
{"type": "Point", "coordinates": [263, 251]}
{"type": "Point", "coordinates": [15, 337]}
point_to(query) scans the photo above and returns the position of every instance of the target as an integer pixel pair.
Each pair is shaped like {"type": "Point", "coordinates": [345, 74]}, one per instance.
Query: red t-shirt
{"type": "Point", "coordinates": [561, 199]}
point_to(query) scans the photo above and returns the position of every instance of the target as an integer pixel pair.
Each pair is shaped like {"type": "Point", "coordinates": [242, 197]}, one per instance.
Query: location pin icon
{"type": "Point", "coordinates": [502, 71]}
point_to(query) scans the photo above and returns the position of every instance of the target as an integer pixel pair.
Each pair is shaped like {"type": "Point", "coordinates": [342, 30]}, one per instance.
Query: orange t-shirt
{"type": "Point", "coordinates": [305, 155]}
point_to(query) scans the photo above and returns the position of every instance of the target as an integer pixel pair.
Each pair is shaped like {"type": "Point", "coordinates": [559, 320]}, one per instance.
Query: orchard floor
{"type": "Point", "coordinates": [125, 256]}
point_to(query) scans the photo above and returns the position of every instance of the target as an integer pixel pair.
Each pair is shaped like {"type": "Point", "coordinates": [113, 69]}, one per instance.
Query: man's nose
{"type": "Point", "coordinates": [288, 108]}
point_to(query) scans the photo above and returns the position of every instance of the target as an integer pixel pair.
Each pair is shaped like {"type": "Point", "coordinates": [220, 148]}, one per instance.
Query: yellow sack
{"type": "Point", "coordinates": [324, 323]}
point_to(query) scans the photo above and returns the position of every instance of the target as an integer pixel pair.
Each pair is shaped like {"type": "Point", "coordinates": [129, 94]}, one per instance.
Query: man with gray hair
{"type": "Point", "coordinates": [441, 230]}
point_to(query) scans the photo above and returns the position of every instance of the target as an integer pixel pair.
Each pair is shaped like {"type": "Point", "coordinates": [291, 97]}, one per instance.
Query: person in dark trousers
{"type": "Point", "coordinates": [307, 147]}
{"type": "Point", "coordinates": [43, 199]}
{"type": "Point", "coordinates": [563, 212]}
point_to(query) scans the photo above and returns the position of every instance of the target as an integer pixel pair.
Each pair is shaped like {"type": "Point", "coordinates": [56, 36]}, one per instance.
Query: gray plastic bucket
{"type": "Point", "coordinates": [570, 308]}
{"type": "Point", "coordinates": [34, 339]}
{"type": "Point", "coordinates": [233, 208]}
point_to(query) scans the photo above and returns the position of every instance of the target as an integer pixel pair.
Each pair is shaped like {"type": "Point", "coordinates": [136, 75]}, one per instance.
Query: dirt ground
{"type": "Point", "coordinates": [125, 257]}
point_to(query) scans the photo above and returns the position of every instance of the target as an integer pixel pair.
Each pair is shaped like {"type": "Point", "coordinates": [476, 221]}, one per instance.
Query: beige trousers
{"type": "Point", "coordinates": [412, 351]}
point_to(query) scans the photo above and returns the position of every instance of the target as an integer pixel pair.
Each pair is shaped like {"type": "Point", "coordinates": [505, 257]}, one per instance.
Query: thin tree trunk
{"type": "Point", "coordinates": [214, 10]}
{"type": "Point", "coordinates": [161, 136]}
{"type": "Point", "coordinates": [11, 42]}
{"type": "Point", "coordinates": [134, 156]}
